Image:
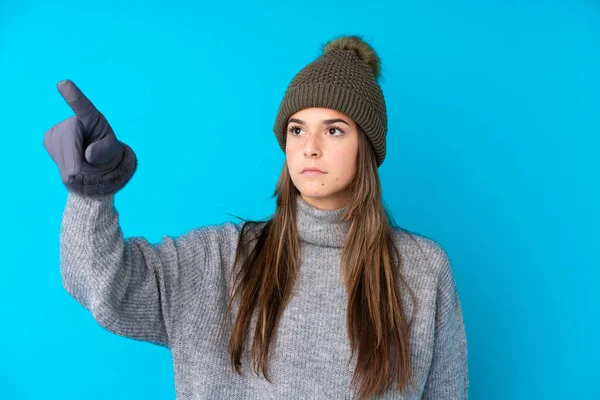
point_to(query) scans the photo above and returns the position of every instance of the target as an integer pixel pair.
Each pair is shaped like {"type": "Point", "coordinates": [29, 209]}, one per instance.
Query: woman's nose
{"type": "Point", "coordinates": [312, 146]}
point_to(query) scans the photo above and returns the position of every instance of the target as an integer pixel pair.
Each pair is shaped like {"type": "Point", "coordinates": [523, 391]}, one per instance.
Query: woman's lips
{"type": "Point", "coordinates": [312, 172]}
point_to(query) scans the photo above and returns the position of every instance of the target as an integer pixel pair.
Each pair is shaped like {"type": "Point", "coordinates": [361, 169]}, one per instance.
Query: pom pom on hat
{"type": "Point", "coordinates": [363, 50]}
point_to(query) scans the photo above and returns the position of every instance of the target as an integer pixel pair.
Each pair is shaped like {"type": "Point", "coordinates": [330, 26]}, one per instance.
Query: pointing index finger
{"type": "Point", "coordinates": [79, 103]}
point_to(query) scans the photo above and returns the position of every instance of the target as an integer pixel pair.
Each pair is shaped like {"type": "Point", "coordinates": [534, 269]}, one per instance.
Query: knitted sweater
{"type": "Point", "coordinates": [174, 293]}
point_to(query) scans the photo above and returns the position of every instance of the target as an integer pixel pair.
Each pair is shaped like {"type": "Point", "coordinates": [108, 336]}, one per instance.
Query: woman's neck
{"type": "Point", "coordinates": [320, 227]}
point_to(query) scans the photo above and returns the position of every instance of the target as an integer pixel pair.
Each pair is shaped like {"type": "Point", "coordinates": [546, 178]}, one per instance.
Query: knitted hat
{"type": "Point", "coordinates": [343, 78]}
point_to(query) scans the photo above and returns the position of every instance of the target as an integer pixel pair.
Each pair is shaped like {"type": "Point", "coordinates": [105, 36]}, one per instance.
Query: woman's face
{"type": "Point", "coordinates": [325, 139]}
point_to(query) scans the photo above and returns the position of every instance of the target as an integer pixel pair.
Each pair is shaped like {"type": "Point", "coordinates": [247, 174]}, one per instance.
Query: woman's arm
{"type": "Point", "coordinates": [448, 375]}
{"type": "Point", "coordinates": [131, 287]}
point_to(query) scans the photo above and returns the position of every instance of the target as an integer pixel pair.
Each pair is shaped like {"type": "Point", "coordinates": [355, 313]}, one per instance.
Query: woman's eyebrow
{"type": "Point", "coordinates": [325, 121]}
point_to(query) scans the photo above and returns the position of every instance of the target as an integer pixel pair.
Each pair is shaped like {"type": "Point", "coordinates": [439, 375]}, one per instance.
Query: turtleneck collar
{"type": "Point", "coordinates": [320, 227]}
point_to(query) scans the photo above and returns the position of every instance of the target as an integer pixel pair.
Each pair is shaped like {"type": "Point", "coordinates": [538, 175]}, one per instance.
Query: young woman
{"type": "Point", "coordinates": [327, 299]}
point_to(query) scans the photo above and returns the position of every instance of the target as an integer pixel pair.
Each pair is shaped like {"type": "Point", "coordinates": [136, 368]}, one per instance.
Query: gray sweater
{"type": "Point", "coordinates": [173, 294]}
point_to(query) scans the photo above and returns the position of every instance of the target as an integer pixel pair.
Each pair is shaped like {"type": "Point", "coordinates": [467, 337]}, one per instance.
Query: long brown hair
{"type": "Point", "coordinates": [376, 322]}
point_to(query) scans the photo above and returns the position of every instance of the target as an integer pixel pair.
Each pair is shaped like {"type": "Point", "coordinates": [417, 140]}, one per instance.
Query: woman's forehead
{"type": "Point", "coordinates": [319, 114]}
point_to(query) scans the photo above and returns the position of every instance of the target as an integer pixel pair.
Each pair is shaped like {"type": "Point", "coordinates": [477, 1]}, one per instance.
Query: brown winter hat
{"type": "Point", "coordinates": [343, 78]}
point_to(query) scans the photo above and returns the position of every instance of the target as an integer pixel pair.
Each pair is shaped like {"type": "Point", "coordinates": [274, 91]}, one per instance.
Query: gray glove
{"type": "Point", "coordinates": [90, 159]}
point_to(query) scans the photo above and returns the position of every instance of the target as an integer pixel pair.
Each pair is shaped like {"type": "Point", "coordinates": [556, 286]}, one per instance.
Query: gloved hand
{"type": "Point", "coordinates": [90, 159]}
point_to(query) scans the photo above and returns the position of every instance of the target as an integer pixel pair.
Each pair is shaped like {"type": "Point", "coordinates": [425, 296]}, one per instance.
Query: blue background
{"type": "Point", "coordinates": [493, 151]}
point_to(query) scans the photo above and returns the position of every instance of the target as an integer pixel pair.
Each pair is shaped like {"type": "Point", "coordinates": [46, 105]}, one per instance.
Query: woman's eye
{"type": "Point", "coordinates": [293, 130]}
{"type": "Point", "coordinates": [333, 129]}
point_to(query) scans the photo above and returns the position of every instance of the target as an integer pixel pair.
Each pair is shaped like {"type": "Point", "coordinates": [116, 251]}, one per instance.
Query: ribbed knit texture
{"type": "Point", "coordinates": [339, 80]}
{"type": "Point", "coordinates": [173, 294]}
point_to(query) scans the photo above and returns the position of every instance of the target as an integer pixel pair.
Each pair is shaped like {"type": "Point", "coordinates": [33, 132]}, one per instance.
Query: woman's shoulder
{"type": "Point", "coordinates": [421, 252]}
{"type": "Point", "coordinates": [226, 233]}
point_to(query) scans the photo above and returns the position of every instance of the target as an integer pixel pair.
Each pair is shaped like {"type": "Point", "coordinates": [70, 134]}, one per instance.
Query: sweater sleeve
{"type": "Point", "coordinates": [129, 285]}
{"type": "Point", "coordinates": [448, 374]}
